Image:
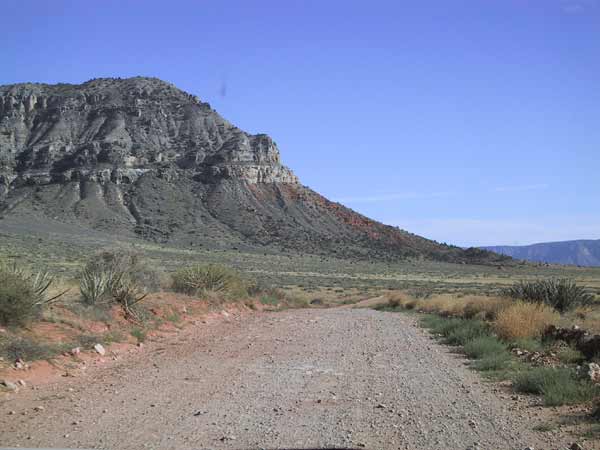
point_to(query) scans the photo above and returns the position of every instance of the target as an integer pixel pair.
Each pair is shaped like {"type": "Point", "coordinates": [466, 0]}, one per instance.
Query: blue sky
{"type": "Point", "coordinates": [470, 122]}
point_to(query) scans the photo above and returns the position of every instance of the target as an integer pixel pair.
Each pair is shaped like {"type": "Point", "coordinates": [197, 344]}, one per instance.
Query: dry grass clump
{"type": "Point", "coordinates": [524, 320]}
{"type": "Point", "coordinates": [397, 299]}
{"type": "Point", "coordinates": [471, 306]}
{"type": "Point", "coordinates": [483, 307]}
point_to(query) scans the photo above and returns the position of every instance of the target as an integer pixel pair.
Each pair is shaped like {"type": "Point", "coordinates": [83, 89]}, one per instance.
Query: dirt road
{"type": "Point", "coordinates": [337, 378]}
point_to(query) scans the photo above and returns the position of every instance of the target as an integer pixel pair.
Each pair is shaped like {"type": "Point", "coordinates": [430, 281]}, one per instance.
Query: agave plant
{"type": "Point", "coordinates": [23, 294]}
{"type": "Point", "coordinates": [561, 294]}
{"type": "Point", "coordinates": [205, 278]}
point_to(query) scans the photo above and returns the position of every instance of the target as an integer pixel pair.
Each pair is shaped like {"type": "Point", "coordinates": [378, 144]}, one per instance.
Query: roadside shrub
{"type": "Point", "coordinates": [484, 346]}
{"type": "Point", "coordinates": [455, 331]}
{"type": "Point", "coordinates": [484, 307]}
{"type": "Point", "coordinates": [94, 285]}
{"type": "Point", "coordinates": [396, 299]}
{"type": "Point", "coordinates": [489, 362]}
{"type": "Point", "coordinates": [466, 331]}
{"type": "Point", "coordinates": [558, 386]}
{"type": "Point", "coordinates": [569, 355]}
{"type": "Point", "coordinates": [120, 276]}
{"type": "Point", "coordinates": [201, 279]}
{"type": "Point", "coordinates": [23, 294]}
{"type": "Point", "coordinates": [529, 344]}
{"type": "Point", "coordinates": [27, 349]}
{"type": "Point", "coordinates": [440, 325]}
{"type": "Point", "coordinates": [524, 320]}
{"type": "Point", "coordinates": [560, 294]}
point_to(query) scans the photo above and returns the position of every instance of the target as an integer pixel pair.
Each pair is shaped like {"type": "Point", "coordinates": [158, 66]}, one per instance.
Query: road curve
{"type": "Point", "coordinates": [298, 379]}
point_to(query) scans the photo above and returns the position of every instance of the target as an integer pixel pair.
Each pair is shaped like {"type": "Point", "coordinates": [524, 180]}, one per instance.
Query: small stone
{"type": "Point", "coordinates": [38, 408]}
{"type": "Point", "coordinates": [575, 446]}
{"type": "Point", "coordinates": [10, 385]}
{"type": "Point", "coordinates": [100, 349]}
{"type": "Point", "coordinates": [227, 438]}
{"type": "Point", "coordinates": [11, 413]}
{"type": "Point", "coordinates": [22, 383]}
{"type": "Point", "coordinates": [381, 406]}
{"type": "Point", "coordinates": [77, 350]}
{"type": "Point", "coordinates": [593, 373]}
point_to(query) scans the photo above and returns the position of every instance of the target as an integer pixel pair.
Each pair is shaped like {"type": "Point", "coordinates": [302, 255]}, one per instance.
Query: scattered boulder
{"type": "Point", "coordinates": [100, 349]}
{"type": "Point", "coordinates": [593, 372]}
{"type": "Point", "coordinates": [572, 336]}
{"type": "Point", "coordinates": [76, 351]}
{"type": "Point", "coordinates": [10, 385]}
{"type": "Point", "coordinates": [576, 337]}
{"type": "Point", "coordinates": [590, 346]}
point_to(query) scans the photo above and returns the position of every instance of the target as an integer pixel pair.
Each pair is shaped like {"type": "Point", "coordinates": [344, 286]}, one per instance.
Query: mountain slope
{"type": "Point", "coordinates": [578, 252]}
{"type": "Point", "coordinates": [140, 158]}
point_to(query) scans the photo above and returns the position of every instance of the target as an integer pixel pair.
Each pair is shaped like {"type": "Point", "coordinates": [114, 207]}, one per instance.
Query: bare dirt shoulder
{"type": "Point", "coordinates": [293, 379]}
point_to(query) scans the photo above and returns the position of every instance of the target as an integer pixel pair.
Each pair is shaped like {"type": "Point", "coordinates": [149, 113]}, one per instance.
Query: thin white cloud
{"type": "Point", "coordinates": [576, 6]}
{"type": "Point", "coordinates": [522, 188]}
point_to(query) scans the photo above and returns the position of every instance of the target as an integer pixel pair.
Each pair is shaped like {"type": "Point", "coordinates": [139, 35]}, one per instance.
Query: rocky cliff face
{"type": "Point", "coordinates": [117, 130]}
{"type": "Point", "coordinates": [142, 159]}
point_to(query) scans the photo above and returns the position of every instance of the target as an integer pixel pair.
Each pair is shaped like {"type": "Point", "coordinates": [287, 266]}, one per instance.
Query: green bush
{"type": "Point", "coordinates": [484, 346]}
{"type": "Point", "coordinates": [23, 295]}
{"type": "Point", "coordinates": [466, 331]}
{"type": "Point", "coordinates": [493, 361]}
{"type": "Point", "coordinates": [140, 334]}
{"type": "Point", "coordinates": [561, 294]}
{"type": "Point", "coordinates": [201, 279]}
{"type": "Point", "coordinates": [455, 331]}
{"type": "Point", "coordinates": [529, 344]}
{"type": "Point", "coordinates": [116, 275]}
{"type": "Point", "coordinates": [14, 348]}
{"type": "Point", "coordinates": [558, 386]}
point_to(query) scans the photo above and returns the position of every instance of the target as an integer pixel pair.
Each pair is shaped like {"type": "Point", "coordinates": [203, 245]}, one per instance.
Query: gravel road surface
{"type": "Point", "coordinates": [298, 379]}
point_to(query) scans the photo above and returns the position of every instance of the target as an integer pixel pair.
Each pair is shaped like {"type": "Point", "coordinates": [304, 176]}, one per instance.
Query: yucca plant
{"type": "Point", "coordinates": [561, 294]}
{"type": "Point", "coordinates": [23, 294]}
{"type": "Point", "coordinates": [205, 278]}
{"type": "Point", "coordinates": [113, 276]}
{"type": "Point", "coordinates": [93, 285]}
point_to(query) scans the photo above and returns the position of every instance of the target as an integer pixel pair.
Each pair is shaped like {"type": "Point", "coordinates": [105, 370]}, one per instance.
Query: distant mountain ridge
{"type": "Point", "coordinates": [140, 158]}
{"type": "Point", "coordinates": [583, 252]}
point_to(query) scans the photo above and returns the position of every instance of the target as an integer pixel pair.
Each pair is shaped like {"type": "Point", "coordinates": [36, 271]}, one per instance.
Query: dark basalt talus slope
{"type": "Point", "coordinates": [140, 158]}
